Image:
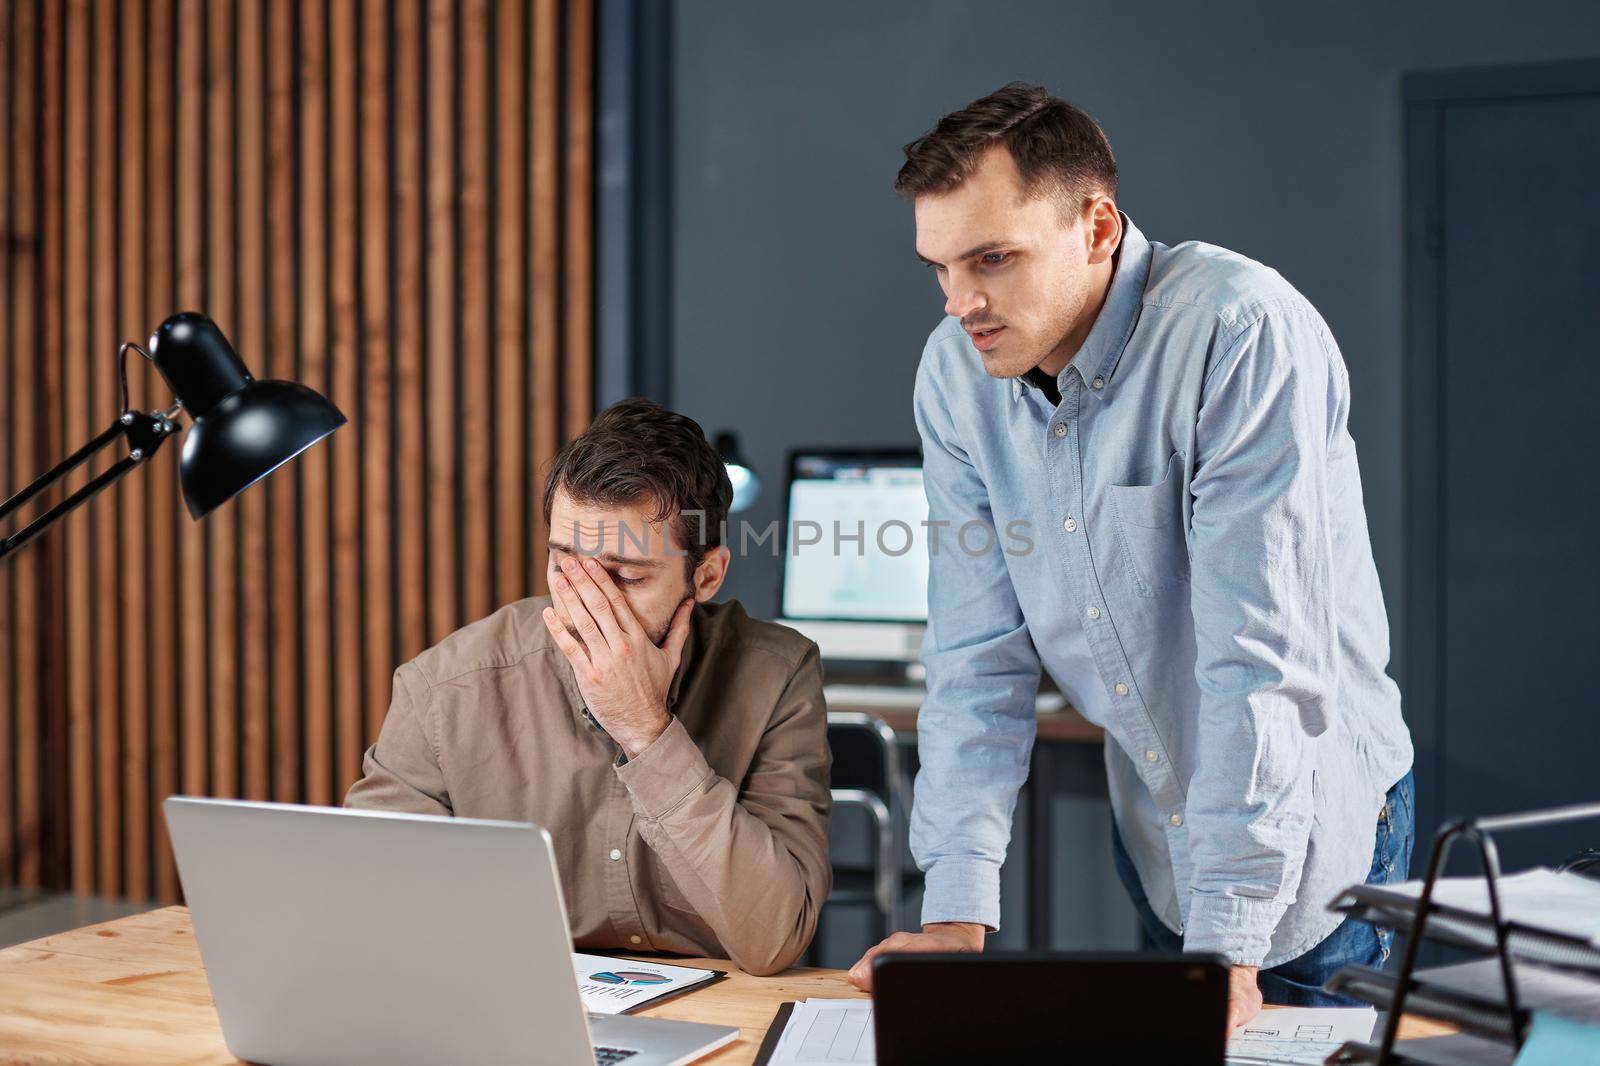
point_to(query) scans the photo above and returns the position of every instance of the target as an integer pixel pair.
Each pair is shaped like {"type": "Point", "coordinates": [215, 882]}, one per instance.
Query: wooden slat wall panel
{"type": "Point", "coordinates": [53, 634]}
{"type": "Point", "coordinates": [378, 649]}
{"type": "Point", "coordinates": [389, 202]}
{"type": "Point", "coordinates": [577, 244]}
{"type": "Point", "coordinates": [53, 723]}
{"type": "Point", "coordinates": [166, 509]}
{"type": "Point", "coordinates": [316, 626]}
{"type": "Point", "coordinates": [130, 319]}
{"type": "Point", "coordinates": [23, 424]}
{"type": "Point", "coordinates": [410, 465]}
{"type": "Point", "coordinates": [281, 361]}
{"type": "Point", "coordinates": [255, 678]}
{"type": "Point", "coordinates": [221, 276]}
{"type": "Point", "coordinates": [475, 405]}
{"type": "Point", "coordinates": [105, 513]}
{"type": "Point", "coordinates": [191, 609]}
{"type": "Point", "coordinates": [439, 382]}
{"type": "Point", "coordinates": [344, 384]}
{"type": "Point", "coordinates": [13, 259]}
{"type": "Point", "coordinates": [545, 201]}
{"type": "Point", "coordinates": [79, 427]}
{"type": "Point", "coordinates": [510, 302]}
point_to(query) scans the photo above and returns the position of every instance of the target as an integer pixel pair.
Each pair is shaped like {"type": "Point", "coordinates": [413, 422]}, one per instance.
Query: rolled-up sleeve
{"type": "Point", "coordinates": [976, 729]}
{"type": "Point", "coordinates": [1263, 603]}
{"type": "Point", "coordinates": [751, 856]}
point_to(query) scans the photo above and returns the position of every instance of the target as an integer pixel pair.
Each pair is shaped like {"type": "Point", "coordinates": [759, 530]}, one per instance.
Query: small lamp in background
{"type": "Point", "coordinates": [746, 485]}
{"type": "Point", "coordinates": [243, 429]}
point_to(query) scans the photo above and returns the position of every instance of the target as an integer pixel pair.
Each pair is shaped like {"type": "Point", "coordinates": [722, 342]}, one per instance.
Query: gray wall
{"type": "Point", "coordinates": [1273, 129]}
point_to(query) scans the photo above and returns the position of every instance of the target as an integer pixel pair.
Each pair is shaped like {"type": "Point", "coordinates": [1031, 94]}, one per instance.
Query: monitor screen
{"type": "Point", "coordinates": [855, 544]}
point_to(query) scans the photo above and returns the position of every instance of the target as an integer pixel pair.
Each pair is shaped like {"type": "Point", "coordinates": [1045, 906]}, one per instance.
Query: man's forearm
{"type": "Point", "coordinates": [741, 875]}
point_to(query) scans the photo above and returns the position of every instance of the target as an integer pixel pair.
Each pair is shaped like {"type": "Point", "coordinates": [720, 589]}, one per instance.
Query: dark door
{"type": "Point", "coordinates": [1503, 485]}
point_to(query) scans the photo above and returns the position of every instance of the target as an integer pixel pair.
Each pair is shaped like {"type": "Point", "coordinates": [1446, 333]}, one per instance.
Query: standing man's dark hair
{"type": "Point", "coordinates": [638, 450]}
{"type": "Point", "coordinates": [1058, 149]}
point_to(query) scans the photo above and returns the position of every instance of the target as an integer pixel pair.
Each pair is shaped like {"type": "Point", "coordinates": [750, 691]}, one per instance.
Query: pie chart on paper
{"type": "Point", "coordinates": [629, 977]}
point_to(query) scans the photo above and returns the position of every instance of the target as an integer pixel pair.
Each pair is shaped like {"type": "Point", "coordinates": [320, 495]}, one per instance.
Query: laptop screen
{"type": "Point", "coordinates": [855, 545]}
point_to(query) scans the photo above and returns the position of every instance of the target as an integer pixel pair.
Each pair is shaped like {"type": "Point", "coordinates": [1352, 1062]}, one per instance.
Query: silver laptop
{"type": "Point", "coordinates": [334, 936]}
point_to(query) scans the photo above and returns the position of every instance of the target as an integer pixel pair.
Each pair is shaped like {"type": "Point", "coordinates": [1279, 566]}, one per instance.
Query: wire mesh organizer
{"type": "Point", "coordinates": [1522, 966]}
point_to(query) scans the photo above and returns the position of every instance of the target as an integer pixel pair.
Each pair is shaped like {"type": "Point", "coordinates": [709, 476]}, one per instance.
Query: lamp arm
{"type": "Point", "coordinates": [144, 432]}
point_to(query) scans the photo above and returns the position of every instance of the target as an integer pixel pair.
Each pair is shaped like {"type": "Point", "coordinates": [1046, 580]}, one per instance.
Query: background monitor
{"type": "Point", "coordinates": [855, 559]}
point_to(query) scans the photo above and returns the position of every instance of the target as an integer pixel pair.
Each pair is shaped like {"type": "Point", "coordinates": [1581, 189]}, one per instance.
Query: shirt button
{"type": "Point", "coordinates": [1098, 383]}
{"type": "Point", "coordinates": [1070, 525]}
{"type": "Point", "coordinates": [1094, 612]}
{"type": "Point", "coordinates": [615, 854]}
{"type": "Point", "coordinates": [1176, 819]}
{"type": "Point", "coordinates": [634, 940]}
{"type": "Point", "coordinates": [1061, 429]}
{"type": "Point", "coordinates": [1120, 689]}
{"type": "Point", "coordinates": [1150, 756]}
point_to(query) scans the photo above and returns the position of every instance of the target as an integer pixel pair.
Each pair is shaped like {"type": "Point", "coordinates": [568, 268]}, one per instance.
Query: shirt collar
{"type": "Point", "coordinates": [1097, 359]}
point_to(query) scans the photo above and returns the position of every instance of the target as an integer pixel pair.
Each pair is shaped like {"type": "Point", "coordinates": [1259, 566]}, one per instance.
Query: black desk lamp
{"type": "Point", "coordinates": [242, 429]}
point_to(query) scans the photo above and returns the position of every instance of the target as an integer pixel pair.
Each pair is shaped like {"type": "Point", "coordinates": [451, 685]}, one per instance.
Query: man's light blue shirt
{"type": "Point", "coordinates": [1182, 544]}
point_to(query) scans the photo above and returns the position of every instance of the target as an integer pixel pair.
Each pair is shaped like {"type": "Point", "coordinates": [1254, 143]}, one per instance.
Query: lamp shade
{"type": "Point", "coordinates": [241, 429]}
{"type": "Point", "coordinates": [741, 475]}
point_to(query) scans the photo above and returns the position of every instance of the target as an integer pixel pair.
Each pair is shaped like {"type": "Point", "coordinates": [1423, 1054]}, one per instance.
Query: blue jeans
{"type": "Point", "coordinates": [1298, 982]}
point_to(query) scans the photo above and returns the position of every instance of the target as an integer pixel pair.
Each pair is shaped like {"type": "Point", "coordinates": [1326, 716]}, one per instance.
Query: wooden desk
{"type": "Point", "coordinates": [1064, 726]}
{"type": "Point", "coordinates": [133, 991]}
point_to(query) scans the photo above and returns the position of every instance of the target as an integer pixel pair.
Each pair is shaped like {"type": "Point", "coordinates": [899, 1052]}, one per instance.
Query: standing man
{"type": "Point", "coordinates": [1170, 423]}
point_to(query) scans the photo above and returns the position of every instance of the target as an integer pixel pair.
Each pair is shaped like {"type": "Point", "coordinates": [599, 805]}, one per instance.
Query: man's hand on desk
{"type": "Point", "coordinates": [939, 936]}
{"type": "Point", "coordinates": [621, 674]}
{"type": "Point", "coordinates": [1244, 996]}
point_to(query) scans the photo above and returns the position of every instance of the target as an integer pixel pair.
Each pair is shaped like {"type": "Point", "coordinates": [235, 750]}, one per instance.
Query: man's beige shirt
{"type": "Point", "coordinates": [711, 841]}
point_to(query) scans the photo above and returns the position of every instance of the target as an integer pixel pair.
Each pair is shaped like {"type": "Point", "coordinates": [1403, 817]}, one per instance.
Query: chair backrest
{"type": "Point", "coordinates": [865, 756]}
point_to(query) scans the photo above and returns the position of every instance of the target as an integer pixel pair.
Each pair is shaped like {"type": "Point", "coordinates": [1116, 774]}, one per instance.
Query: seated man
{"type": "Point", "coordinates": [675, 749]}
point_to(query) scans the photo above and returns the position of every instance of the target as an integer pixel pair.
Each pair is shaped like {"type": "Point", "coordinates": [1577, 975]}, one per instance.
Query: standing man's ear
{"type": "Point", "coordinates": [1103, 228]}
{"type": "Point", "coordinates": [708, 576]}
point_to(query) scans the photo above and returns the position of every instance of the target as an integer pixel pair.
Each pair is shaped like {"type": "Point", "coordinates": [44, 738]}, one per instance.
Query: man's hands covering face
{"type": "Point", "coordinates": [621, 674]}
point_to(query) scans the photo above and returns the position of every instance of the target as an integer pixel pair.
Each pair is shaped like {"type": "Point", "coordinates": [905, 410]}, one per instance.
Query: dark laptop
{"type": "Point", "coordinates": [1090, 1008]}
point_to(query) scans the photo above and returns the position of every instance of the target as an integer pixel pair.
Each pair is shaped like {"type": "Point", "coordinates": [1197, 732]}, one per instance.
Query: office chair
{"type": "Point", "coordinates": [867, 777]}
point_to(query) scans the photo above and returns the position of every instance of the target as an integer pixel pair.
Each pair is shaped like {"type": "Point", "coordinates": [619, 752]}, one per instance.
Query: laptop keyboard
{"type": "Point", "coordinates": [605, 1056]}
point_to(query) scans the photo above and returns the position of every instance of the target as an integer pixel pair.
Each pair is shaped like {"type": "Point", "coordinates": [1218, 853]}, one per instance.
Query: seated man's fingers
{"type": "Point", "coordinates": [579, 573]}
{"type": "Point", "coordinates": [626, 621]}
{"type": "Point", "coordinates": [582, 621]}
{"type": "Point", "coordinates": [565, 641]}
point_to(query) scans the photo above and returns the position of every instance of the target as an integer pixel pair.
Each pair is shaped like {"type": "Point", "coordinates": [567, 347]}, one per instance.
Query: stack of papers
{"type": "Point", "coordinates": [1556, 991]}
{"type": "Point", "coordinates": [1299, 1035]}
{"type": "Point", "coordinates": [617, 986]}
{"type": "Point", "coordinates": [826, 1031]}
{"type": "Point", "coordinates": [1566, 904]}
{"type": "Point", "coordinates": [821, 1032]}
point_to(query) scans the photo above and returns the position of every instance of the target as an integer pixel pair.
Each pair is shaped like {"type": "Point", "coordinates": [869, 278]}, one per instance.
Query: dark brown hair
{"type": "Point", "coordinates": [637, 450]}
{"type": "Point", "coordinates": [1057, 148]}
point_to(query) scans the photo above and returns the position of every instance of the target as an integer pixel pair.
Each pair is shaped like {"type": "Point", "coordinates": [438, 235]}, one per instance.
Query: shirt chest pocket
{"type": "Point", "coordinates": [1148, 522]}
